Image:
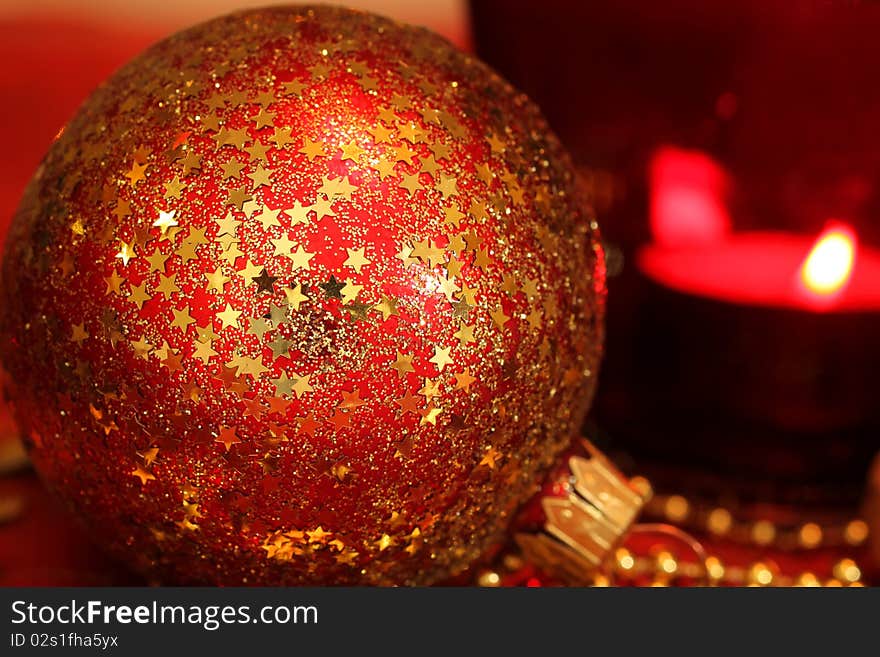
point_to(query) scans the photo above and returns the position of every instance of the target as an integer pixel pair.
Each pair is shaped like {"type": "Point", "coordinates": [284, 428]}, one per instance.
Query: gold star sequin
{"type": "Point", "coordinates": [499, 317]}
{"type": "Point", "coordinates": [356, 259]}
{"type": "Point", "coordinates": [298, 213]}
{"type": "Point", "coordinates": [430, 390]}
{"type": "Point", "coordinates": [149, 455]}
{"type": "Point", "coordinates": [283, 246]}
{"type": "Point", "coordinates": [123, 209]}
{"type": "Point", "coordinates": [257, 151]}
{"type": "Point", "coordinates": [142, 474]}
{"type": "Point", "coordinates": [182, 318]}
{"type": "Point", "coordinates": [482, 260]}
{"type": "Point", "coordinates": [165, 221]}
{"type": "Point", "coordinates": [191, 162]}
{"type": "Point", "coordinates": [463, 380]}
{"type": "Point", "coordinates": [268, 217]}
{"type": "Point", "coordinates": [265, 282]}
{"type": "Point", "coordinates": [229, 317]}
{"type": "Point", "coordinates": [263, 118]}
{"type": "Point", "coordinates": [167, 285]}
{"type": "Point", "coordinates": [430, 414]}
{"type": "Point", "coordinates": [465, 334]}
{"type": "Point", "coordinates": [232, 169]}
{"type": "Point", "coordinates": [440, 150]}
{"type": "Point", "coordinates": [496, 143]}
{"type": "Point", "coordinates": [282, 137]}
{"type": "Point", "coordinates": [228, 437]}
{"type": "Point", "coordinates": [216, 279]}
{"type": "Point", "coordinates": [403, 364]}
{"type": "Point", "coordinates": [79, 332]}
{"type": "Point", "coordinates": [249, 271]}
{"type": "Point", "coordinates": [157, 261]}
{"type": "Point", "coordinates": [141, 154]}
{"type": "Point", "coordinates": [384, 168]}
{"type": "Point", "coordinates": [428, 253]}
{"type": "Point", "coordinates": [126, 253]}
{"type": "Point", "coordinates": [302, 385]}
{"type": "Point", "coordinates": [312, 149]}
{"type": "Point", "coordinates": [388, 307]}
{"type": "Point", "coordinates": [352, 399]}
{"type": "Point", "coordinates": [448, 287]}
{"type": "Point", "coordinates": [137, 173]}
{"type": "Point", "coordinates": [405, 255]}
{"type": "Point", "coordinates": [203, 351]}
{"type": "Point", "coordinates": [293, 88]}
{"type": "Point", "coordinates": [350, 291]}
{"type": "Point", "coordinates": [284, 384]}
{"type": "Point", "coordinates": [174, 188]}
{"type": "Point", "coordinates": [261, 177]}
{"type": "Point", "coordinates": [490, 458]}
{"type": "Point", "coordinates": [337, 188]}
{"type": "Point", "coordinates": [237, 137]}
{"type": "Point", "coordinates": [295, 296]}
{"type": "Point", "coordinates": [381, 134]}
{"type": "Point", "coordinates": [300, 258]}
{"type": "Point", "coordinates": [139, 295]}
{"type": "Point", "coordinates": [410, 182]}
{"type": "Point", "coordinates": [352, 151]}
{"type": "Point", "coordinates": [114, 282]}
{"type": "Point", "coordinates": [453, 267]}
{"type": "Point", "coordinates": [409, 403]}
{"type": "Point", "coordinates": [446, 185]}
{"type": "Point", "coordinates": [535, 318]}
{"type": "Point", "coordinates": [453, 216]}
{"type": "Point", "coordinates": [238, 196]}
{"type": "Point", "coordinates": [441, 357]}
{"type": "Point", "coordinates": [461, 309]}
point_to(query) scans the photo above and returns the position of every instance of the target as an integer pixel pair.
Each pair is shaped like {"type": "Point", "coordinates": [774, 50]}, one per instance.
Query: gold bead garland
{"type": "Point", "coordinates": [722, 522]}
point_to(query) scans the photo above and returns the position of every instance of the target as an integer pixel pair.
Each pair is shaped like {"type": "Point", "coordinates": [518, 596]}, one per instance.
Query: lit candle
{"type": "Point", "coordinates": [779, 270]}
{"type": "Point", "coordinates": [756, 352]}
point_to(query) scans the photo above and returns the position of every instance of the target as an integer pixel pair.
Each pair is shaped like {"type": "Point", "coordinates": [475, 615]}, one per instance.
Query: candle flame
{"type": "Point", "coordinates": [829, 265]}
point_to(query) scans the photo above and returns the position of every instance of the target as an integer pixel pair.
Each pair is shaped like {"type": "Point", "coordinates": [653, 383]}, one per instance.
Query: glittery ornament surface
{"type": "Point", "coordinates": [301, 295]}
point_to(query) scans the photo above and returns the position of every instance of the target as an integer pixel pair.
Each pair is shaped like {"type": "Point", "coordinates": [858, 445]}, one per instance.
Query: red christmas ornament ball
{"type": "Point", "coordinates": [301, 296]}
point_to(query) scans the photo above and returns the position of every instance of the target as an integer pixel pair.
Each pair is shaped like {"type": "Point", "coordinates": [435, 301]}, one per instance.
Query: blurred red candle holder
{"type": "Point", "coordinates": [757, 351]}
{"type": "Point", "coordinates": [770, 128]}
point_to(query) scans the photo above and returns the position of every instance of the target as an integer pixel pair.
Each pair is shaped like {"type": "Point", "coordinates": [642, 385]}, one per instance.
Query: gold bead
{"type": "Point", "coordinates": [846, 570]}
{"type": "Point", "coordinates": [489, 578]}
{"type": "Point", "coordinates": [624, 559]}
{"type": "Point", "coordinates": [808, 579]}
{"type": "Point", "coordinates": [714, 569]}
{"type": "Point", "coordinates": [666, 563]}
{"type": "Point", "coordinates": [719, 521]}
{"type": "Point", "coordinates": [856, 532]}
{"type": "Point", "coordinates": [676, 508]}
{"type": "Point", "coordinates": [513, 562]}
{"type": "Point", "coordinates": [810, 535]}
{"type": "Point", "coordinates": [760, 574]}
{"type": "Point", "coordinates": [763, 532]}
{"type": "Point", "coordinates": [642, 486]}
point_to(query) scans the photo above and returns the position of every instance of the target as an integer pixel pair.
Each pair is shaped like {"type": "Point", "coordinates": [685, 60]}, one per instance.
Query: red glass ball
{"type": "Point", "coordinates": [301, 296]}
